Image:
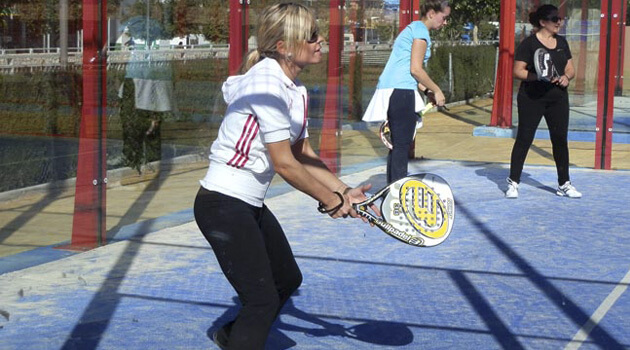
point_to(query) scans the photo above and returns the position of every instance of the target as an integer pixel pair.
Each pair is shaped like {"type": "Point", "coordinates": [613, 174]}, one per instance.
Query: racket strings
{"type": "Point", "coordinates": [417, 210]}
{"type": "Point", "coordinates": [423, 209]}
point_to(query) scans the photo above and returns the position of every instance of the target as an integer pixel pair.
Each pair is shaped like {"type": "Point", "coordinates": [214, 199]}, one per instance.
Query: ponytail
{"type": "Point", "coordinates": [250, 60]}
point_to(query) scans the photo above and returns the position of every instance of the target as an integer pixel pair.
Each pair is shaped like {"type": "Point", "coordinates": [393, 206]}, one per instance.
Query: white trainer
{"type": "Point", "coordinates": [512, 190]}
{"type": "Point", "coordinates": [568, 190]}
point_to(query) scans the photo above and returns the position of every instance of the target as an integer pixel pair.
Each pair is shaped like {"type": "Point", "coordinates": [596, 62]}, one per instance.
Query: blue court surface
{"type": "Point", "coordinates": [538, 272]}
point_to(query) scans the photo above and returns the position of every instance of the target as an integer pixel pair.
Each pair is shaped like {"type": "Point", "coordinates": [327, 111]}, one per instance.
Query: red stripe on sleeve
{"type": "Point", "coordinates": [243, 146]}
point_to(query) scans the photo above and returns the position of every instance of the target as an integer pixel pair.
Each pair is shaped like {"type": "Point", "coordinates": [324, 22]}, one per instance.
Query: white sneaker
{"type": "Point", "coordinates": [567, 190]}
{"type": "Point", "coordinates": [512, 190]}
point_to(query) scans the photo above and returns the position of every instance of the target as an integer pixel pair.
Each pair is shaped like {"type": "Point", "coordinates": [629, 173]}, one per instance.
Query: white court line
{"type": "Point", "coordinates": [597, 316]}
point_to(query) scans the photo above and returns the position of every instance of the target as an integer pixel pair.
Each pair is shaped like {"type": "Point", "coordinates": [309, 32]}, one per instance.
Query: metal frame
{"type": "Point", "coordinates": [239, 32]}
{"type": "Point", "coordinates": [89, 229]}
{"type": "Point", "coordinates": [330, 138]}
{"type": "Point", "coordinates": [502, 102]}
{"type": "Point", "coordinates": [88, 225]}
{"type": "Point", "coordinates": [610, 74]}
{"type": "Point", "coordinates": [609, 55]}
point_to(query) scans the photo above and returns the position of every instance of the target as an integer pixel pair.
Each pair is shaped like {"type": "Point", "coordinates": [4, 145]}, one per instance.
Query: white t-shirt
{"type": "Point", "coordinates": [264, 106]}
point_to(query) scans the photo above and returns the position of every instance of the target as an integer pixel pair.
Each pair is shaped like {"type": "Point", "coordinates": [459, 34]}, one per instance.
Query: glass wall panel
{"type": "Point", "coordinates": [582, 30]}
{"type": "Point", "coordinates": [40, 111]}
{"type": "Point", "coordinates": [166, 63]}
{"type": "Point", "coordinates": [161, 103]}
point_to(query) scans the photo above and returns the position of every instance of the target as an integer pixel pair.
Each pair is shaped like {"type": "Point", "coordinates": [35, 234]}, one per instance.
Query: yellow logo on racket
{"type": "Point", "coordinates": [424, 209]}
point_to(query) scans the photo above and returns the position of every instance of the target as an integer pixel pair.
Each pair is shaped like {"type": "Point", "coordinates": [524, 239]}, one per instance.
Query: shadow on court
{"type": "Point", "coordinates": [538, 272]}
{"type": "Point", "coordinates": [365, 331]}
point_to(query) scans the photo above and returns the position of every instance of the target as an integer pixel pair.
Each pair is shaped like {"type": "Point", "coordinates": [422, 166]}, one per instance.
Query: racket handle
{"type": "Point", "coordinates": [429, 106]}
{"type": "Point", "coordinates": [389, 229]}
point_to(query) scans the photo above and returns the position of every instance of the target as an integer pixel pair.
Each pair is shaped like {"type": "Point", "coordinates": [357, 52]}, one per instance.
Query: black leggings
{"type": "Point", "coordinates": [554, 106]}
{"type": "Point", "coordinates": [402, 125]}
{"type": "Point", "coordinates": [256, 258]}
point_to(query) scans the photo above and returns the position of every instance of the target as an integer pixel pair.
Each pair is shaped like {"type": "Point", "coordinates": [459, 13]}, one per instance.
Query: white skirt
{"type": "Point", "coordinates": [154, 95]}
{"type": "Point", "coordinates": [379, 104]}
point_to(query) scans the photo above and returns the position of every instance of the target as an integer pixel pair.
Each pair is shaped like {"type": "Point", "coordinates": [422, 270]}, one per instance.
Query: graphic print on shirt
{"type": "Point", "coordinates": [243, 146]}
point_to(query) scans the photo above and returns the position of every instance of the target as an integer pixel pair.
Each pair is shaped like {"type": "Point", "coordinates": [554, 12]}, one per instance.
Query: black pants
{"type": "Point", "coordinates": [402, 125]}
{"type": "Point", "coordinates": [139, 146]}
{"type": "Point", "coordinates": [256, 258]}
{"type": "Point", "coordinates": [554, 106]}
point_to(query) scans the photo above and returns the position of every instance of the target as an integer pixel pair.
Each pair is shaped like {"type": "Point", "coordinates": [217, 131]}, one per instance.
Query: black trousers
{"type": "Point", "coordinates": [139, 148]}
{"type": "Point", "coordinates": [402, 125]}
{"type": "Point", "coordinates": [256, 259]}
{"type": "Point", "coordinates": [554, 106]}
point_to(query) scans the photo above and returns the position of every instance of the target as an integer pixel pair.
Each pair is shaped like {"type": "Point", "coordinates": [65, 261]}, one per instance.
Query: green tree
{"type": "Point", "coordinates": [474, 11]}
{"type": "Point", "coordinates": [214, 20]}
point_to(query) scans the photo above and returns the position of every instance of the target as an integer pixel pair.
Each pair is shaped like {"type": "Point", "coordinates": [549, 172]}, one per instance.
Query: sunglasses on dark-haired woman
{"type": "Point", "coordinates": [556, 19]}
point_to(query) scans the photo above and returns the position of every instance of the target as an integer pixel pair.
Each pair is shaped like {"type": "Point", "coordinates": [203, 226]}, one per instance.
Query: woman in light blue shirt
{"type": "Point", "coordinates": [404, 74]}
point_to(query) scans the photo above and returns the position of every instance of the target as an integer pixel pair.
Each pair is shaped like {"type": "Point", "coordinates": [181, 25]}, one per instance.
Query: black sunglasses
{"type": "Point", "coordinates": [556, 19]}
{"type": "Point", "coordinates": [314, 37]}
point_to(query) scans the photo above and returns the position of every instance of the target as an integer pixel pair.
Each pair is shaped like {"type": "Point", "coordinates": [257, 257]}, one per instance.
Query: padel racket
{"type": "Point", "coordinates": [418, 210]}
{"type": "Point", "coordinates": [545, 69]}
{"type": "Point", "coordinates": [385, 132]}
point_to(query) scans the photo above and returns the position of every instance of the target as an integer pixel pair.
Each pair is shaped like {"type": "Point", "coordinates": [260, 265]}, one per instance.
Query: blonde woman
{"type": "Point", "coordinates": [396, 95]}
{"type": "Point", "coordinates": [264, 132]}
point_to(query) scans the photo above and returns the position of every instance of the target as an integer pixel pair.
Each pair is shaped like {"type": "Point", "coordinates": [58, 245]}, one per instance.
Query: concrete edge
{"type": "Point", "coordinates": [543, 134]}
{"type": "Point", "coordinates": [114, 176]}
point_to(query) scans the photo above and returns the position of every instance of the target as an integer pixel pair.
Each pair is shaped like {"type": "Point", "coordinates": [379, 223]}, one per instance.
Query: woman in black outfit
{"type": "Point", "coordinates": [537, 98]}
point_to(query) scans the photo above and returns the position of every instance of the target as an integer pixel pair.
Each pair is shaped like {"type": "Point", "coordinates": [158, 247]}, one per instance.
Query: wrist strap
{"type": "Point", "coordinates": [322, 208]}
{"type": "Point", "coordinates": [426, 91]}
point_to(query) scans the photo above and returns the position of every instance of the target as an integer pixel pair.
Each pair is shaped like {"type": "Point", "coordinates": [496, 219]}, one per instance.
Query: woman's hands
{"type": "Point", "coordinates": [357, 195]}
{"type": "Point", "coordinates": [352, 196]}
{"type": "Point", "coordinates": [315, 175]}
{"type": "Point", "coordinates": [436, 97]}
{"type": "Point", "coordinates": [562, 81]}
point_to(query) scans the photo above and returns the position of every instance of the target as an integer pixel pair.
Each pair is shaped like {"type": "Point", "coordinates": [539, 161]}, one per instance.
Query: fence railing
{"type": "Point", "coordinates": [37, 59]}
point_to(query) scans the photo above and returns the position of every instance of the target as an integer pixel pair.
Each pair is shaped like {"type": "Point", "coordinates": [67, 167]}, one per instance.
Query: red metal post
{"type": "Point", "coordinates": [88, 225]}
{"type": "Point", "coordinates": [502, 103]}
{"type": "Point", "coordinates": [329, 143]}
{"type": "Point", "coordinates": [609, 56]}
{"type": "Point", "coordinates": [415, 13]}
{"type": "Point", "coordinates": [405, 15]}
{"type": "Point", "coordinates": [239, 32]}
